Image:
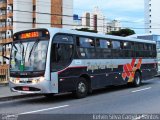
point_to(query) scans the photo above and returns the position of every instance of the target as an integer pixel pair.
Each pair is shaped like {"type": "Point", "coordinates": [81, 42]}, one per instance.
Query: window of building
{"type": "Point", "coordinates": [34, 20]}
{"type": "Point", "coordinates": [34, 7]}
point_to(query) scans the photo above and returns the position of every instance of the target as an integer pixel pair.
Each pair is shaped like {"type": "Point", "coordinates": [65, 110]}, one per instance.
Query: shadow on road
{"type": "Point", "coordinates": [69, 96]}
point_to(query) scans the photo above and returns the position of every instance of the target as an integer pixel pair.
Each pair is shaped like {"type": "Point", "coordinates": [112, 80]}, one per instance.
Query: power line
{"type": "Point", "coordinates": [60, 15]}
{"type": "Point", "coordinates": [64, 6]}
{"type": "Point", "coordinates": [78, 25]}
{"type": "Point", "coordinates": [67, 15]}
{"type": "Point", "coordinates": [71, 16]}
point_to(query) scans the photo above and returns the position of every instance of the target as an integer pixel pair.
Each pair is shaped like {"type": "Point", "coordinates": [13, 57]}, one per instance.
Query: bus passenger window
{"type": "Point", "coordinates": [127, 45]}
{"type": "Point", "coordinates": [86, 47]}
{"type": "Point", "coordinates": [116, 44]}
{"type": "Point", "coordinates": [86, 42]}
{"type": "Point", "coordinates": [102, 43]}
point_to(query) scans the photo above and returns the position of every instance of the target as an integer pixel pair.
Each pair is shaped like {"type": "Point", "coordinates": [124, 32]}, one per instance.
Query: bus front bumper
{"type": "Point", "coordinates": [27, 88]}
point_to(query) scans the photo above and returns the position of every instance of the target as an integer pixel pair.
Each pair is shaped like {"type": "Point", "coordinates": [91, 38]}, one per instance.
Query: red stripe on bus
{"type": "Point", "coordinates": [139, 64]}
{"type": "Point", "coordinates": [126, 70]}
{"type": "Point", "coordinates": [133, 62]}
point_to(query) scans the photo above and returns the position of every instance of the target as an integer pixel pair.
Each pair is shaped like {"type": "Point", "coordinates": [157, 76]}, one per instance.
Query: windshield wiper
{"type": "Point", "coordinates": [21, 44]}
{"type": "Point", "coordinates": [33, 47]}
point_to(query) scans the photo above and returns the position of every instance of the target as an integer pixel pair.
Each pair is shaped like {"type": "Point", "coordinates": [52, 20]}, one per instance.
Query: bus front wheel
{"type": "Point", "coordinates": [81, 88]}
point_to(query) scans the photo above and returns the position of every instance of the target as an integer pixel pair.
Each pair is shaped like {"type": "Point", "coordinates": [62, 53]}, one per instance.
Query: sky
{"type": "Point", "coordinates": [129, 12]}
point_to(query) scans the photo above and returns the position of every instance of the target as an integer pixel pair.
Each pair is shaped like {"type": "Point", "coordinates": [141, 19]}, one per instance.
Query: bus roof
{"type": "Point", "coordinates": [75, 32]}
{"type": "Point", "coordinates": [89, 34]}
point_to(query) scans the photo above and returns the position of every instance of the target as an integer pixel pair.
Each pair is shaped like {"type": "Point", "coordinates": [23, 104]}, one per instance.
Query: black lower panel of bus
{"type": "Point", "coordinates": [99, 78]}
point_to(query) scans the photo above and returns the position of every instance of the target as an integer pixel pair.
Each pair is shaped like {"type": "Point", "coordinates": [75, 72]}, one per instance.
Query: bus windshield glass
{"type": "Point", "coordinates": [29, 56]}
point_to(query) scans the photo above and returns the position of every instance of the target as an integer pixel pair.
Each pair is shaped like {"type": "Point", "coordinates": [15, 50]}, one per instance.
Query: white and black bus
{"type": "Point", "coordinates": [53, 60]}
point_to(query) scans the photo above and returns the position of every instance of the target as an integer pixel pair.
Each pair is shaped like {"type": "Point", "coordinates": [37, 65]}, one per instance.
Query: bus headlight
{"type": "Point", "coordinates": [41, 79]}
{"type": "Point", "coordinates": [34, 81]}
{"type": "Point", "coordinates": [11, 79]}
{"type": "Point", "coordinates": [37, 80]}
{"type": "Point", "coordinates": [14, 80]}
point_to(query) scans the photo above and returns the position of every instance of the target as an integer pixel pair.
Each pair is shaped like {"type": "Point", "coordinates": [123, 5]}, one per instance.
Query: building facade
{"type": "Point", "coordinates": [77, 22]}
{"type": "Point", "coordinates": [17, 15]}
{"type": "Point", "coordinates": [94, 20]}
{"type": "Point", "coordinates": [152, 16]}
{"type": "Point", "coordinates": [113, 25]}
{"type": "Point", "coordinates": [97, 21]}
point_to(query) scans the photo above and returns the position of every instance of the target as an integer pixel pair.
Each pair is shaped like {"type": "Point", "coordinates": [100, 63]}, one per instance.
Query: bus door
{"type": "Point", "coordinates": [61, 58]}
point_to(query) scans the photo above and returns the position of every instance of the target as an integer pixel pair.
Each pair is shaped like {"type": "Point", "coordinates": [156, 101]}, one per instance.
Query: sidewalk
{"type": "Point", "coordinates": [6, 94]}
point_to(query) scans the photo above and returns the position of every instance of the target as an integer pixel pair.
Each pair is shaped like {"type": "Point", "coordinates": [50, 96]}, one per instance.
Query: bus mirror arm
{"type": "Point", "coordinates": [4, 55]}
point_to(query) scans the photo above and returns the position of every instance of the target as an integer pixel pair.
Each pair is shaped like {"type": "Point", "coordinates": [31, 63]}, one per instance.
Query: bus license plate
{"type": "Point", "coordinates": [25, 88]}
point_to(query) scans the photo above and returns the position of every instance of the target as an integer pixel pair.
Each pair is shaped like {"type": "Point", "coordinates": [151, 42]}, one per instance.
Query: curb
{"type": "Point", "coordinates": [3, 84]}
{"type": "Point", "coordinates": [8, 98]}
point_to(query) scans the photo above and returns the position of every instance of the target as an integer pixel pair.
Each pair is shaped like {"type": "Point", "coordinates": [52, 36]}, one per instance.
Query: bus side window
{"type": "Point", "coordinates": [128, 49]}
{"type": "Point", "coordinates": [103, 48]}
{"type": "Point", "coordinates": [116, 49]}
{"type": "Point", "coordinates": [86, 42]}
{"type": "Point", "coordinates": [116, 44]}
{"type": "Point", "coordinates": [102, 43]}
{"type": "Point", "coordinates": [127, 45]}
{"type": "Point", "coordinates": [86, 47]}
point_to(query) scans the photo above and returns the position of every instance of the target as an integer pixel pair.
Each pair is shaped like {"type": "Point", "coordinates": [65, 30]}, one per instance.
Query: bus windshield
{"type": "Point", "coordinates": [29, 56]}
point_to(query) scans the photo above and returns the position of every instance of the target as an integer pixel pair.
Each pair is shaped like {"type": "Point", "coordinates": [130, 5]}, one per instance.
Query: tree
{"type": "Point", "coordinates": [122, 32]}
{"type": "Point", "coordinates": [87, 30]}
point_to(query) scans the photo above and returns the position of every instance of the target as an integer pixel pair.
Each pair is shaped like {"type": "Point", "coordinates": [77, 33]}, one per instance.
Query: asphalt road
{"type": "Point", "coordinates": [111, 100]}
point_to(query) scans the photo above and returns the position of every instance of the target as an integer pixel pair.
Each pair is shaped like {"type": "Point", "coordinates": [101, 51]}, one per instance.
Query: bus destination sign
{"type": "Point", "coordinates": [29, 35]}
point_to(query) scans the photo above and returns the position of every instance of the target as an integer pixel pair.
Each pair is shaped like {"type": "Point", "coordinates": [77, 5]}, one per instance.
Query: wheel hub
{"type": "Point", "coordinates": [81, 87]}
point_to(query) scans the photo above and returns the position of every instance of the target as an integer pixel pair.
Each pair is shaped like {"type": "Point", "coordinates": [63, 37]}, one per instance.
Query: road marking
{"type": "Point", "coordinates": [43, 110]}
{"type": "Point", "coordinates": [37, 111]}
{"type": "Point", "coordinates": [141, 90]}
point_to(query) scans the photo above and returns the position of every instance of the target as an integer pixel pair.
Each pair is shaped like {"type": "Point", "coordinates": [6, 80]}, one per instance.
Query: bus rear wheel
{"type": "Point", "coordinates": [81, 88]}
{"type": "Point", "coordinates": [137, 79]}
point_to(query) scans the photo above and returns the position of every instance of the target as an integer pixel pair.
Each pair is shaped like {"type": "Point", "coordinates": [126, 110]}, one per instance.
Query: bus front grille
{"type": "Point", "coordinates": [21, 88]}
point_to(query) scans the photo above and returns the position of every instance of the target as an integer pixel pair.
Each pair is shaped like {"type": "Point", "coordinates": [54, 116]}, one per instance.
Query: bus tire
{"type": "Point", "coordinates": [81, 88]}
{"type": "Point", "coordinates": [137, 79]}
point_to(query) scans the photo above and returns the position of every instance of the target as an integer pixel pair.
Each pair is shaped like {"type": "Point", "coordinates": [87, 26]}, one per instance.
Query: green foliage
{"type": "Point", "coordinates": [86, 30]}
{"type": "Point", "coordinates": [122, 32]}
